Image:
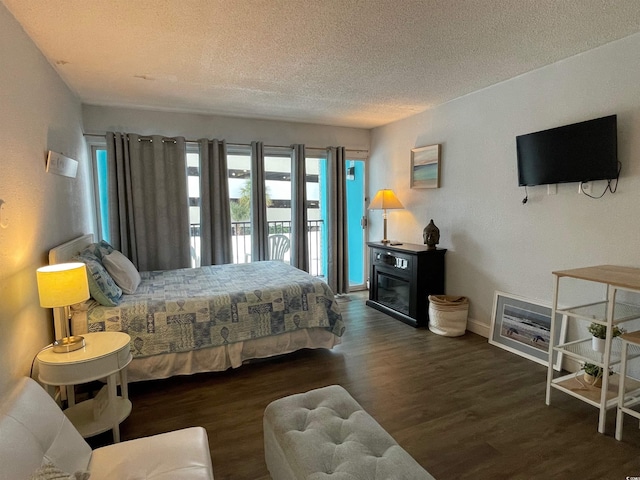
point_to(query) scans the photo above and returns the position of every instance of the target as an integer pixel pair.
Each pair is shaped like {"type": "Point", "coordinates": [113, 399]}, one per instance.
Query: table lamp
{"type": "Point", "coordinates": [385, 200]}
{"type": "Point", "coordinates": [63, 285]}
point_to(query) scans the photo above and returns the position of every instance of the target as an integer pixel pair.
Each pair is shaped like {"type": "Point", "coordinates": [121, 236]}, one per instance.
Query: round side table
{"type": "Point", "coordinates": [105, 355]}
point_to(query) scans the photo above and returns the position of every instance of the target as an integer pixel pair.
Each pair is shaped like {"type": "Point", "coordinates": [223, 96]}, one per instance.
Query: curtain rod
{"type": "Point", "coordinates": [103, 135]}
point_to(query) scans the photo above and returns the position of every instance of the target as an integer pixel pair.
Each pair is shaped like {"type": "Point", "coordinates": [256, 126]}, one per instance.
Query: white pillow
{"type": "Point", "coordinates": [123, 272]}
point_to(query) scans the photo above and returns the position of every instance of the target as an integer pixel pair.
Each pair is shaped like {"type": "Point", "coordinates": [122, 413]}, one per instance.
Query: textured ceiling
{"type": "Point", "coordinates": [359, 63]}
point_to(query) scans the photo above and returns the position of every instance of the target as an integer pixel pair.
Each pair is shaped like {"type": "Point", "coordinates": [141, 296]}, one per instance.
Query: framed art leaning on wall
{"type": "Point", "coordinates": [524, 328]}
{"type": "Point", "coordinates": [425, 167]}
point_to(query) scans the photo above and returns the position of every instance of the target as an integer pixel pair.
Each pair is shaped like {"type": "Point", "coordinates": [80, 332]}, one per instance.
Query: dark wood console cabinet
{"type": "Point", "coordinates": [401, 278]}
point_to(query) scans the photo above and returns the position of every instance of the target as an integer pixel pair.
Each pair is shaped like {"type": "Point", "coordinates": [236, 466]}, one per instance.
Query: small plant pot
{"type": "Point", "coordinates": [597, 344]}
{"type": "Point", "coordinates": [593, 381]}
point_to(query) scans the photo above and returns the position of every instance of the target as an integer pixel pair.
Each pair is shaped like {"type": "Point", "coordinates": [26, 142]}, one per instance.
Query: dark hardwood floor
{"type": "Point", "coordinates": [462, 408]}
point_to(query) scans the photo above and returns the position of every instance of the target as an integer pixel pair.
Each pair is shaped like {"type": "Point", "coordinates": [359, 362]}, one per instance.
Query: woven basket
{"type": "Point", "coordinates": [448, 315]}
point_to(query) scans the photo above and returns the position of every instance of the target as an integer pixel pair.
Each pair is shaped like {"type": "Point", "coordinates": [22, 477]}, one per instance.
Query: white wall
{"type": "Point", "coordinates": [99, 119]}
{"type": "Point", "coordinates": [495, 242]}
{"type": "Point", "coordinates": [37, 113]}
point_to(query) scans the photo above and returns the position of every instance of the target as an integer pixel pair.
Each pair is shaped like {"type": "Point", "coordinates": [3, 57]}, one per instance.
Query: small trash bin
{"type": "Point", "coordinates": [448, 315]}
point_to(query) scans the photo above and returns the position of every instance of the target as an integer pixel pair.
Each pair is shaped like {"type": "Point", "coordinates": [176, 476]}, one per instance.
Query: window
{"type": "Point", "coordinates": [279, 193]}
{"type": "Point", "coordinates": [193, 190]}
{"type": "Point", "coordinates": [277, 165]}
{"type": "Point", "coordinates": [239, 168]}
{"type": "Point", "coordinates": [316, 168]}
{"type": "Point", "coordinates": [318, 216]}
{"type": "Point", "coordinates": [101, 190]}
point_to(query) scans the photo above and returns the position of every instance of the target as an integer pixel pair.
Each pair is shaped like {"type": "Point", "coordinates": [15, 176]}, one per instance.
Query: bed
{"type": "Point", "coordinates": [210, 318]}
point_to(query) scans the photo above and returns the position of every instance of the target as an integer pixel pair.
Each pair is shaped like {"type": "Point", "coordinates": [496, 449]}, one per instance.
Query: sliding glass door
{"type": "Point", "coordinates": [356, 224]}
{"type": "Point", "coordinates": [318, 218]}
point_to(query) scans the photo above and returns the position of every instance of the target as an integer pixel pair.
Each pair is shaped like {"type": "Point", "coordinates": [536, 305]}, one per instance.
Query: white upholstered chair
{"type": "Point", "coordinates": [34, 432]}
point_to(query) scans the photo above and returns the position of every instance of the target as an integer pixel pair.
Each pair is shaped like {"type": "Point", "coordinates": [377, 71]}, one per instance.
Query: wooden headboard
{"type": "Point", "coordinates": [61, 254]}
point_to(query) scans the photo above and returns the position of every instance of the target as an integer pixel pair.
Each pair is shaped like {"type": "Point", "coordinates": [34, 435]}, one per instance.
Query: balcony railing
{"type": "Point", "coordinates": [241, 242]}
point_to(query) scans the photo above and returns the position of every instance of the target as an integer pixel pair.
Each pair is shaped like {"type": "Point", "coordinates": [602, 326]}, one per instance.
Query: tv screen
{"type": "Point", "coordinates": [580, 152]}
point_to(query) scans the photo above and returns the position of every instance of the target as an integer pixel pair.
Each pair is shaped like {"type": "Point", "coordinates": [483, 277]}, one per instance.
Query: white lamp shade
{"type": "Point", "coordinates": [62, 284]}
{"type": "Point", "coordinates": [385, 200]}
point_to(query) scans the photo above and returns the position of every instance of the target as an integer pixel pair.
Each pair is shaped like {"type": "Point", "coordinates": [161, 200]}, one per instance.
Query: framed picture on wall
{"type": "Point", "coordinates": [524, 328]}
{"type": "Point", "coordinates": [425, 167]}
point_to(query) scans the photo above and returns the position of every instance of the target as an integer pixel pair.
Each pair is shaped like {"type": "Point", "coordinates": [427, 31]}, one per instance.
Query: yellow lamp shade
{"type": "Point", "coordinates": [385, 200]}
{"type": "Point", "coordinates": [62, 284]}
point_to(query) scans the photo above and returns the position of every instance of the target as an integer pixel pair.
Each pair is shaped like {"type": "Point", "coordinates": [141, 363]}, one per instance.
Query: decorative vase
{"type": "Point", "coordinates": [593, 381]}
{"type": "Point", "coordinates": [597, 344]}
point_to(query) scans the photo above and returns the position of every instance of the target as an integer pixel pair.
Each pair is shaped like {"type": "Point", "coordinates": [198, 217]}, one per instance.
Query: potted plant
{"type": "Point", "coordinates": [593, 374]}
{"type": "Point", "coordinates": [599, 333]}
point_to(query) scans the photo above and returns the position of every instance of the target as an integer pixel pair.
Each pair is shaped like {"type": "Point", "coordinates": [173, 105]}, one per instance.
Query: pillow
{"type": "Point", "coordinates": [101, 286]}
{"type": "Point", "coordinates": [51, 472]}
{"type": "Point", "coordinates": [123, 272]}
{"type": "Point", "coordinates": [99, 249]}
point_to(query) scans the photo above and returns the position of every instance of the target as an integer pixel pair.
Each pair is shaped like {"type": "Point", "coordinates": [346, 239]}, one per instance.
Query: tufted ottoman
{"type": "Point", "coordinates": [324, 434]}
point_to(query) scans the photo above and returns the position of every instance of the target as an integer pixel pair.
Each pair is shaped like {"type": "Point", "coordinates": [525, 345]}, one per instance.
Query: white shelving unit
{"type": "Point", "coordinates": [606, 312]}
{"type": "Point", "coordinates": [627, 401]}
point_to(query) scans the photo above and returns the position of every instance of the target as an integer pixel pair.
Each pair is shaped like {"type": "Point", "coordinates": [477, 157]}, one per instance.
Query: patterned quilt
{"type": "Point", "coordinates": [193, 308]}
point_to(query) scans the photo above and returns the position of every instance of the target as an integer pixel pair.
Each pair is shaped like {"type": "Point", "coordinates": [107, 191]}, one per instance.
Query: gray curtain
{"type": "Point", "coordinates": [299, 235]}
{"type": "Point", "coordinates": [215, 225]}
{"type": "Point", "coordinates": [338, 261]}
{"type": "Point", "coordinates": [148, 201]}
{"type": "Point", "coordinates": [259, 226]}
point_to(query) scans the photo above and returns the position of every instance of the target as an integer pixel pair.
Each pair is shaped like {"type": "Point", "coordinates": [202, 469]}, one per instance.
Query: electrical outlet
{"type": "Point", "coordinates": [584, 187]}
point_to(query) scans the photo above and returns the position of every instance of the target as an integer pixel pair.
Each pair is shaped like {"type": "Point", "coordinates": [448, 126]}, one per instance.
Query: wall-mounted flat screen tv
{"type": "Point", "coordinates": [580, 152]}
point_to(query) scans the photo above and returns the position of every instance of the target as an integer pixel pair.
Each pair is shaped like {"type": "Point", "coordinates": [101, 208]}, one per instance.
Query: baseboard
{"type": "Point", "coordinates": [477, 327]}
